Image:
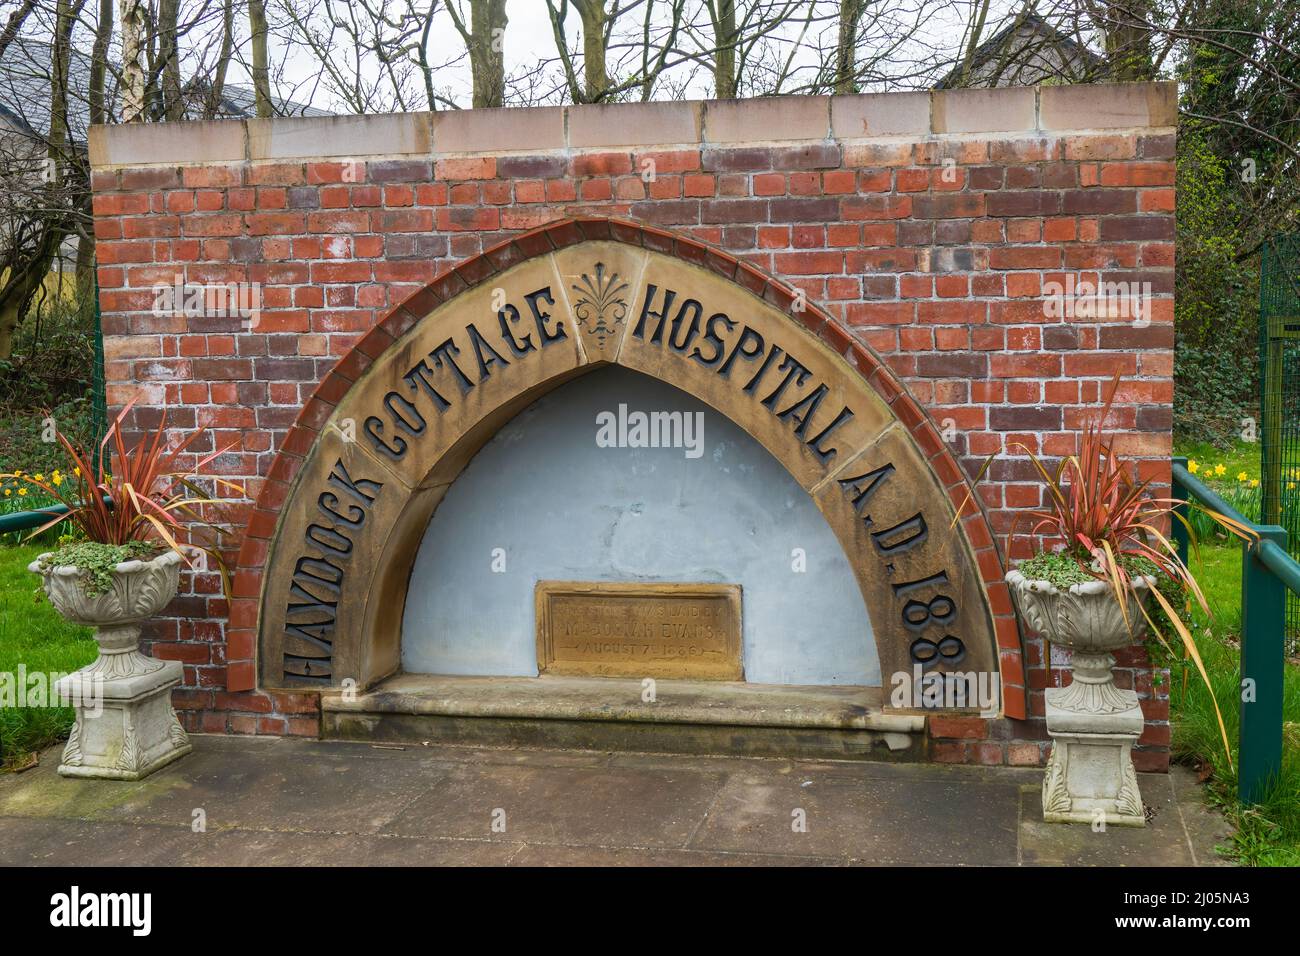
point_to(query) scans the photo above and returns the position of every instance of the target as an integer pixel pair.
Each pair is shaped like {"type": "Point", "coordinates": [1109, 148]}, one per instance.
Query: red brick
{"type": "Point", "coordinates": [474, 168]}
{"type": "Point", "coordinates": [602, 164]}
{"type": "Point", "coordinates": [964, 728]}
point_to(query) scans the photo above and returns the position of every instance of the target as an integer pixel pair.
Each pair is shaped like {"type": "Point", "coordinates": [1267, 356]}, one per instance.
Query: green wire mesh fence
{"type": "Point", "coordinates": [1279, 352]}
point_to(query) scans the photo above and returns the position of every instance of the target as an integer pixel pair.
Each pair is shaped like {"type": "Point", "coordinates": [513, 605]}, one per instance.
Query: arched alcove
{"type": "Point", "coordinates": [389, 430]}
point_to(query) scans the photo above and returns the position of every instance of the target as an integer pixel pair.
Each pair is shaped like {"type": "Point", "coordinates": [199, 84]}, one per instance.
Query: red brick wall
{"type": "Point", "coordinates": [933, 248]}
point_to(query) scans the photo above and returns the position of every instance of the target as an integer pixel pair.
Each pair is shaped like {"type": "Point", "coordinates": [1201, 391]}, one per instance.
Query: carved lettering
{"type": "Point", "coordinates": [316, 586]}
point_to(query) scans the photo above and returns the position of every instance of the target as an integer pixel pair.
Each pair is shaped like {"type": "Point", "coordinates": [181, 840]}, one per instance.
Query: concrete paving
{"type": "Point", "coordinates": [271, 801]}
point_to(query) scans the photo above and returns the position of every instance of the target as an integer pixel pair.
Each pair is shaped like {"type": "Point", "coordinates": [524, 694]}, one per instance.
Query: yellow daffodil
{"type": "Point", "coordinates": [77, 472]}
{"type": "Point", "coordinates": [8, 492]}
{"type": "Point", "coordinates": [1290, 486]}
{"type": "Point", "coordinates": [1242, 476]}
{"type": "Point", "coordinates": [22, 492]}
{"type": "Point", "coordinates": [1254, 482]}
{"type": "Point", "coordinates": [1193, 467]}
{"type": "Point", "coordinates": [1220, 470]}
{"type": "Point", "coordinates": [57, 479]}
{"type": "Point", "coordinates": [38, 477]}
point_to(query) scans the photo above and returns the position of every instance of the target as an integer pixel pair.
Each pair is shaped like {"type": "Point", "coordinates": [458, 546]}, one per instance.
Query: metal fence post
{"type": "Point", "coordinates": [98, 401]}
{"type": "Point", "coordinates": [1179, 530]}
{"type": "Point", "coordinates": [1263, 620]}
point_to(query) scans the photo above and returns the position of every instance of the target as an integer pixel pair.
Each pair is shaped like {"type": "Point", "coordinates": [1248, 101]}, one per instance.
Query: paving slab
{"type": "Point", "coordinates": [912, 819]}
{"type": "Point", "coordinates": [602, 806]}
{"type": "Point", "coordinates": [241, 801]}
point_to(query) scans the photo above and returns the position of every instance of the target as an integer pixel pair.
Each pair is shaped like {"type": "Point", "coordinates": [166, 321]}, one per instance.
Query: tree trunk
{"type": "Point", "coordinates": [99, 63]}
{"type": "Point", "coordinates": [723, 13]}
{"type": "Point", "coordinates": [976, 32]}
{"type": "Point", "coordinates": [594, 20]}
{"type": "Point", "coordinates": [484, 39]}
{"type": "Point", "coordinates": [169, 54]}
{"type": "Point", "coordinates": [217, 88]}
{"type": "Point", "coordinates": [488, 54]}
{"type": "Point", "coordinates": [27, 273]}
{"type": "Point", "coordinates": [22, 283]}
{"type": "Point", "coordinates": [261, 64]}
{"type": "Point", "coordinates": [1128, 41]}
{"type": "Point", "coordinates": [132, 14]}
{"type": "Point", "coordinates": [846, 47]}
{"type": "Point", "coordinates": [65, 16]}
{"type": "Point", "coordinates": [85, 269]}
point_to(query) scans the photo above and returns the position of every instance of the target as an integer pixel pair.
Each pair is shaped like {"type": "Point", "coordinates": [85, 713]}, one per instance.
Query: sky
{"type": "Point", "coordinates": [901, 26]}
{"type": "Point", "coordinates": [529, 39]}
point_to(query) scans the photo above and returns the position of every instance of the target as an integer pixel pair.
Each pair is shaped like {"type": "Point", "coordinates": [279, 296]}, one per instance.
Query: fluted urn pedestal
{"type": "Point", "coordinates": [1093, 724]}
{"type": "Point", "coordinates": [125, 727]}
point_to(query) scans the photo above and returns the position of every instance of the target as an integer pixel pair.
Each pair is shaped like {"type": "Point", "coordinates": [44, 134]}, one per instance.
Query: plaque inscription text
{"type": "Point", "coordinates": [600, 629]}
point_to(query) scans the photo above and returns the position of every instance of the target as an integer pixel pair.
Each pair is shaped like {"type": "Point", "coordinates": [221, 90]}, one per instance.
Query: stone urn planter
{"type": "Point", "coordinates": [1093, 724]}
{"type": "Point", "coordinates": [125, 727]}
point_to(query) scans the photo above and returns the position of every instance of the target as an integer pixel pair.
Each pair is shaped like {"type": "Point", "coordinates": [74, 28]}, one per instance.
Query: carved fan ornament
{"type": "Point", "coordinates": [72, 752]}
{"type": "Point", "coordinates": [601, 306]}
{"type": "Point", "coordinates": [129, 758]}
{"type": "Point", "coordinates": [1129, 799]}
{"type": "Point", "coordinates": [1056, 795]}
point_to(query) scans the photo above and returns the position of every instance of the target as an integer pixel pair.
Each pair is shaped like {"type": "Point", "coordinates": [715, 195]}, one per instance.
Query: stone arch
{"type": "Point", "coordinates": [321, 575]}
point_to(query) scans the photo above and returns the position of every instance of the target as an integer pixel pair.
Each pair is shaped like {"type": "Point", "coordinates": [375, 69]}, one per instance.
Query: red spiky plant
{"type": "Point", "coordinates": [139, 493]}
{"type": "Point", "coordinates": [1106, 519]}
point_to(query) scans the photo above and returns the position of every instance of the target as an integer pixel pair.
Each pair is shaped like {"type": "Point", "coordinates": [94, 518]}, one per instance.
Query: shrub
{"type": "Point", "coordinates": [1216, 375]}
{"type": "Point", "coordinates": [53, 357]}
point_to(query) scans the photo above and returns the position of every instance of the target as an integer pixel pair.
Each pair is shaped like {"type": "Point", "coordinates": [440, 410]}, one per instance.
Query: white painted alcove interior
{"type": "Point", "coordinates": [561, 507]}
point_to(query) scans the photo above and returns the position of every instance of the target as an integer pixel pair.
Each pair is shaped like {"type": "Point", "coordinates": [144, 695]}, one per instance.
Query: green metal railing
{"type": "Point", "coordinates": [26, 520]}
{"type": "Point", "coordinates": [1268, 572]}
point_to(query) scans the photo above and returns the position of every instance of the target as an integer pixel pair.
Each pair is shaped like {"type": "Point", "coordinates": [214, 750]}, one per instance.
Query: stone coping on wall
{"type": "Point", "coordinates": [1001, 113]}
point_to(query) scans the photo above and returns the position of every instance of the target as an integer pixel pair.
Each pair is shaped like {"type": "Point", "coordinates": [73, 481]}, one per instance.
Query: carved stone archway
{"type": "Point", "coordinates": [320, 587]}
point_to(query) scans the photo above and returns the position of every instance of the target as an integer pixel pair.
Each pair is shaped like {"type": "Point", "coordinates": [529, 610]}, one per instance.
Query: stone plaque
{"type": "Point", "coordinates": [599, 629]}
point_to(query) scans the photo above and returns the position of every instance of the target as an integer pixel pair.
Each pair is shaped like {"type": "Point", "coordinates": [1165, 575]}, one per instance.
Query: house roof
{"type": "Point", "coordinates": [25, 92]}
{"type": "Point", "coordinates": [25, 88]}
{"type": "Point", "coordinates": [1028, 22]}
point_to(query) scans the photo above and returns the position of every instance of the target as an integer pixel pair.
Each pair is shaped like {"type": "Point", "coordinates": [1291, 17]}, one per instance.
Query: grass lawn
{"type": "Point", "coordinates": [1242, 456]}
{"type": "Point", "coordinates": [32, 634]}
{"type": "Point", "coordinates": [1269, 834]}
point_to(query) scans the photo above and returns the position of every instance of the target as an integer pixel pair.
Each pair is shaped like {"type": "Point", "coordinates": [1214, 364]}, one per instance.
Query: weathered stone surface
{"type": "Point", "coordinates": [768, 118]}
{"type": "Point", "coordinates": [481, 131]}
{"type": "Point", "coordinates": [136, 732]}
{"type": "Point", "coordinates": [1108, 106]}
{"type": "Point", "coordinates": [133, 144]}
{"type": "Point", "coordinates": [983, 111]}
{"type": "Point", "coordinates": [393, 134]}
{"type": "Point", "coordinates": [597, 280]}
{"type": "Point", "coordinates": [880, 114]}
{"type": "Point", "coordinates": [639, 124]}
